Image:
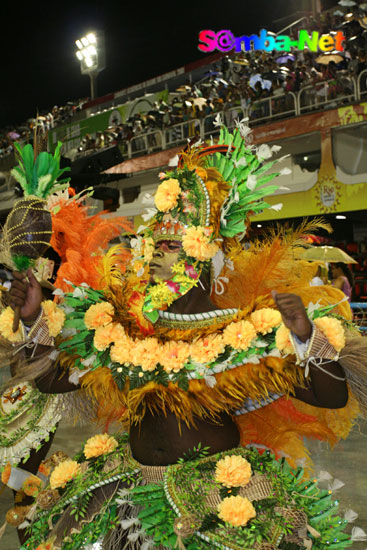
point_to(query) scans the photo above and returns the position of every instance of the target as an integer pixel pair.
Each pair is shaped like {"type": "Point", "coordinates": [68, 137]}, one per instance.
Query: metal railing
{"type": "Point", "coordinates": [343, 90]}
{"type": "Point", "coordinates": [229, 116]}
{"type": "Point", "coordinates": [273, 107]}
{"type": "Point", "coordinates": [328, 93]}
{"type": "Point", "coordinates": [145, 143]}
{"type": "Point", "coordinates": [179, 133]}
{"type": "Point", "coordinates": [362, 85]}
{"type": "Point", "coordinates": [360, 315]}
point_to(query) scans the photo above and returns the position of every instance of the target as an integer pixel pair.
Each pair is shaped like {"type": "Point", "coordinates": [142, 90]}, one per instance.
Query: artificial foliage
{"type": "Point", "coordinates": [158, 508]}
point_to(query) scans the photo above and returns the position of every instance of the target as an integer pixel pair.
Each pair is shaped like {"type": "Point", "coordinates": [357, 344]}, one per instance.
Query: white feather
{"type": "Point", "coordinates": [251, 182]}
{"type": "Point", "coordinates": [127, 523]}
{"type": "Point", "coordinates": [324, 476]}
{"type": "Point", "coordinates": [335, 485]}
{"type": "Point", "coordinates": [358, 534]}
{"type": "Point", "coordinates": [277, 207]}
{"type": "Point", "coordinates": [147, 545]}
{"type": "Point", "coordinates": [350, 515]}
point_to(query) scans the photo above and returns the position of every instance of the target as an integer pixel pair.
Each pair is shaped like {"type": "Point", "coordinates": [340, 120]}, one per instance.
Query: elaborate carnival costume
{"type": "Point", "coordinates": [27, 416]}
{"type": "Point", "coordinates": [239, 359]}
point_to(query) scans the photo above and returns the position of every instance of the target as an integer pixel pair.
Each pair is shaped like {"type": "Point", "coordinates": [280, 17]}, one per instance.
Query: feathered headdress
{"type": "Point", "coordinates": [205, 203]}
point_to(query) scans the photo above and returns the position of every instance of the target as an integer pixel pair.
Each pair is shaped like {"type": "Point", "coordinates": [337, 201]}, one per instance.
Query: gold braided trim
{"type": "Point", "coordinates": [320, 346]}
{"type": "Point", "coordinates": [40, 333]}
{"type": "Point", "coordinates": [153, 474]}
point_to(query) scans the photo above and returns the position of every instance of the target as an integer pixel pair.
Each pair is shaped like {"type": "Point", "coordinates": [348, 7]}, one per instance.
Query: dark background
{"type": "Point", "coordinates": [38, 64]}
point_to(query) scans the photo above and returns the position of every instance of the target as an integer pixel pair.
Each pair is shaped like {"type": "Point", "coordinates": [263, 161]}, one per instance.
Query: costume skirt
{"type": "Point", "coordinates": [232, 500]}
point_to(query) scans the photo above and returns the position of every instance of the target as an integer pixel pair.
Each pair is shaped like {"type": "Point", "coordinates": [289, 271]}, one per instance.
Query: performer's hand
{"type": "Point", "coordinates": [27, 294]}
{"type": "Point", "coordinates": [294, 314]}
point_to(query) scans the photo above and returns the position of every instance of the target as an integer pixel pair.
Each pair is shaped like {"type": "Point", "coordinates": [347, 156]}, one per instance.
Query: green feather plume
{"type": "Point", "coordinates": [236, 168]}
{"type": "Point", "coordinates": [39, 177]}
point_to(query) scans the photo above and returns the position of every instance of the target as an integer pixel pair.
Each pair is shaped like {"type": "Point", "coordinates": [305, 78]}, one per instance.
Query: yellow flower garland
{"type": "Point", "coordinates": [174, 354]}
{"type": "Point", "coordinates": [54, 316]}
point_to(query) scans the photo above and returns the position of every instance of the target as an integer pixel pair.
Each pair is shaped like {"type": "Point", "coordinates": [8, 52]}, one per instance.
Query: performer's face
{"type": "Point", "coordinates": [165, 255]}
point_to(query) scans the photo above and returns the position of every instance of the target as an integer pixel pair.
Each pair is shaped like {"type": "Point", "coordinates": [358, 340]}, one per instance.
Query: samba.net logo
{"type": "Point", "coordinates": [225, 41]}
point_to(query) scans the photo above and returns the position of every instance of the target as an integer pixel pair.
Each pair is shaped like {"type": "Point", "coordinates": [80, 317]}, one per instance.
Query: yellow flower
{"type": "Point", "coordinates": [98, 315]}
{"type": "Point", "coordinates": [104, 336]}
{"type": "Point", "coordinates": [239, 335]}
{"type": "Point", "coordinates": [333, 330]}
{"type": "Point", "coordinates": [282, 340]}
{"type": "Point", "coordinates": [173, 355]}
{"type": "Point", "coordinates": [167, 195]}
{"type": "Point", "coordinates": [207, 349]}
{"type": "Point", "coordinates": [6, 326]}
{"type": "Point", "coordinates": [264, 320]}
{"type": "Point", "coordinates": [100, 444]}
{"type": "Point", "coordinates": [55, 317]}
{"type": "Point", "coordinates": [64, 472]}
{"type": "Point", "coordinates": [233, 471]}
{"type": "Point", "coordinates": [5, 474]}
{"type": "Point", "coordinates": [161, 295]}
{"type": "Point", "coordinates": [120, 352]}
{"type": "Point", "coordinates": [148, 249]}
{"type": "Point", "coordinates": [197, 245]}
{"type": "Point", "coordinates": [44, 469]}
{"type": "Point", "coordinates": [236, 510]}
{"type": "Point", "coordinates": [145, 354]}
{"type": "Point", "coordinates": [32, 486]}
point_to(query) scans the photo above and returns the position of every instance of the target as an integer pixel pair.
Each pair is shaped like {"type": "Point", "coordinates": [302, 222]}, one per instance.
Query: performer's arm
{"type": "Point", "coordinates": [327, 385]}
{"type": "Point", "coordinates": [28, 295]}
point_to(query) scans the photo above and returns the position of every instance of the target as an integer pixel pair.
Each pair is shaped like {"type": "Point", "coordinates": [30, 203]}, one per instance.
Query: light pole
{"type": "Point", "coordinates": [91, 54]}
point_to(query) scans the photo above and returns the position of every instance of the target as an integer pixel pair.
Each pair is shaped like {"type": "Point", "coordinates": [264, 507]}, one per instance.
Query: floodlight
{"type": "Point", "coordinates": [91, 55]}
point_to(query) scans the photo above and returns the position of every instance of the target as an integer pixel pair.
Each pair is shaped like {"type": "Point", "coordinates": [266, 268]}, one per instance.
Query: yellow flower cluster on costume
{"type": "Point", "coordinates": [167, 194]}
{"type": "Point", "coordinates": [98, 445]}
{"type": "Point", "coordinates": [5, 474]}
{"type": "Point", "coordinates": [196, 243]}
{"type": "Point", "coordinates": [239, 335]}
{"type": "Point", "coordinates": [6, 326]}
{"type": "Point", "coordinates": [55, 317]}
{"type": "Point", "coordinates": [264, 320]}
{"type": "Point", "coordinates": [333, 330]}
{"type": "Point", "coordinates": [233, 471]}
{"type": "Point", "coordinates": [161, 294]}
{"type": "Point", "coordinates": [99, 315]}
{"type": "Point", "coordinates": [283, 341]}
{"type": "Point", "coordinates": [236, 510]}
{"type": "Point", "coordinates": [32, 486]}
{"type": "Point", "coordinates": [63, 473]}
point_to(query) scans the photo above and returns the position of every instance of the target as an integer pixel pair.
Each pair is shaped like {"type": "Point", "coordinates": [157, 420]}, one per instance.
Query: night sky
{"type": "Point", "coordinates": [39, 68]}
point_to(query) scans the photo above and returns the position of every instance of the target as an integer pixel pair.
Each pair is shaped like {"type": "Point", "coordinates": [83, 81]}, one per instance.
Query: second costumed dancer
{"type": "Point", "coordinates": [215, 377]}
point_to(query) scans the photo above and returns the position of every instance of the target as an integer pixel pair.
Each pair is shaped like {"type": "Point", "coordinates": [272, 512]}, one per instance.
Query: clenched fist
{"type": "Point", "coordinates": [26, 293]}
{"type": "Point", "coordinates": [294, 314]}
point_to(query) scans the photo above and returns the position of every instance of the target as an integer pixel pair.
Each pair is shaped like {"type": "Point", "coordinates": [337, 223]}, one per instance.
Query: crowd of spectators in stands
{"type": "Point", "coordinates": [242, 81]}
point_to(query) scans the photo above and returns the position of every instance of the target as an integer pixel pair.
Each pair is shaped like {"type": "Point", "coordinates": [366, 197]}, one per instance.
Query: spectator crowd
{"type": "Point", "coordinates": [258, 82]}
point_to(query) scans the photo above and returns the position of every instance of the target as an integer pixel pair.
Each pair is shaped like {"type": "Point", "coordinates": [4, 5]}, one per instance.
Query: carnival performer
{"type": "Point", "coordinates": [210, 360]}
{"type": "Point", "coordinates": [29, 418]}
